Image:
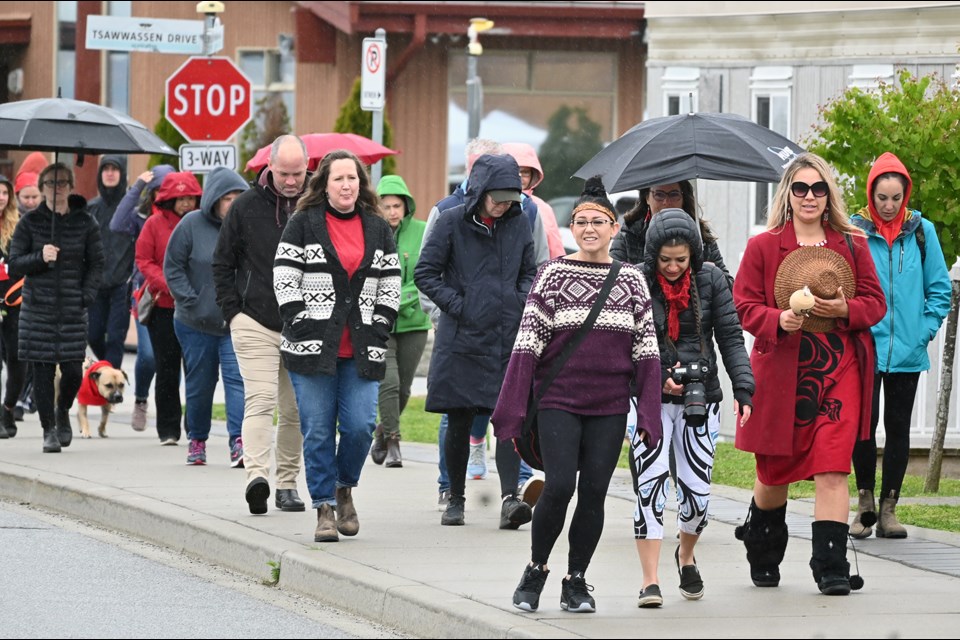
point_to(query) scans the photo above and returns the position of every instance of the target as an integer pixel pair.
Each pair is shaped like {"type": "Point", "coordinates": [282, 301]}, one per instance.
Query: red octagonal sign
{"type": "Point", "coordinates": [208, 99]}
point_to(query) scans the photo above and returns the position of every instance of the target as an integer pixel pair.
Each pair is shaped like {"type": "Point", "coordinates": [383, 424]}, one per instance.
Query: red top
{"type": "Point", "coordinates": [151, 249]}
{"type": "Point", "coordinates": [346, 234]}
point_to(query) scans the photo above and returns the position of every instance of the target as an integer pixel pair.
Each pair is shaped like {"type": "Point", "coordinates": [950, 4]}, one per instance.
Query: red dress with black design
{"type": "Point", "coordinates": [827, 412]}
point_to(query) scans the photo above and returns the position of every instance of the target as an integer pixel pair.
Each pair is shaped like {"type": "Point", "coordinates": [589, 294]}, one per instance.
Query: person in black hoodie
{"type": "Point", "coordinates": [109, 315]}
{"type": "Point", "coordinates": [57, 246]}
{"type": "Point", "coordinates": [243, 276]}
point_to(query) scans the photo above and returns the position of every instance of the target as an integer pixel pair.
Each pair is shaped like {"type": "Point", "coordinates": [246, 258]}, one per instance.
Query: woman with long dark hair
{"type": "Point", "coordinates": [337, 282]}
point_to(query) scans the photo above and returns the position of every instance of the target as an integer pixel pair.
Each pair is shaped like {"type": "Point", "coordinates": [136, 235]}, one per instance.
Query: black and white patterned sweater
{"type": "Point", "coordinates": [317, 299]}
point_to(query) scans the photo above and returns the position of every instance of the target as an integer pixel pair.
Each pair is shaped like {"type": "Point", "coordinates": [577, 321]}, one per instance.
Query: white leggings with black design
{"type": "Point", "coordinates": [693, 449]}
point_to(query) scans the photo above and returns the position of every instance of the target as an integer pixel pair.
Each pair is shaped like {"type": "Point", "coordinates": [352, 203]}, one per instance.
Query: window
{"type": "Point", "coordinates": [117, 77]}
{"type": "Point", "coordinates": [869, 76]}
{"type": "Point", "coordinates": [681, 90]}
{"type": "Point", "coordinates": [271, 71]}
{"type": "Point", "coordinates": [66, 47]}
{"type": "Point", "coordinates": [522, 90]}
{"type": "Point", "coordinates": [771, 88]}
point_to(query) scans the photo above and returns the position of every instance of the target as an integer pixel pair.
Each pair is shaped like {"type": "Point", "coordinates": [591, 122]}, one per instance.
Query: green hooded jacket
{"type": "Point", "coordinates": [409, 236]}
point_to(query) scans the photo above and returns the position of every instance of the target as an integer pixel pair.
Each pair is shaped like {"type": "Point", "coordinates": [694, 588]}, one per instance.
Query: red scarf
{"type": "Point", "coordinates": [890, 230]}
{"type": "Point", "coordinates": [677, 295]}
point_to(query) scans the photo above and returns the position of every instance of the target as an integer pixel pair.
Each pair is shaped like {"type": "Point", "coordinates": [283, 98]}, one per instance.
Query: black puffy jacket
{"type": "Point", "coordinates": [53, 316]}
{"type": "Point", "coordinates": [718, 316]}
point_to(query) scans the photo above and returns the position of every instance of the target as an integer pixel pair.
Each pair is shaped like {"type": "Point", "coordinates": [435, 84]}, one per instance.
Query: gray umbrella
{"type": "Point", "coordinates": [74, 126]}
{"type": "Point", "coordinates": [713, 146]}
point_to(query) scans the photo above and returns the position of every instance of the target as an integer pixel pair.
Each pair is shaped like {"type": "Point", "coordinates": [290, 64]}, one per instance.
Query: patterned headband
{"type": "Point", "coordinates": [592, 206]}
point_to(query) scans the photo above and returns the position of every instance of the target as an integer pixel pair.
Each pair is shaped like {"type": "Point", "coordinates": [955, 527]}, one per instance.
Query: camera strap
{"type": "Point", "coordinates": [578, 337]}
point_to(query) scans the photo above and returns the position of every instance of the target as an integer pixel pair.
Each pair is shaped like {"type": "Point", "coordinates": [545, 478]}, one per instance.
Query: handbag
{"type": "Point", "coordinates": [145, 304]}
{"type": "Point", "coordinates": [528, 444]}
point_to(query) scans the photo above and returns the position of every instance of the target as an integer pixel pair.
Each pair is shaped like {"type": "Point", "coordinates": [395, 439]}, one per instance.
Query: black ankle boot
{"type": "Point", "coordinates": [7, 422]}
{"type": "Point", "coordinates": [764, 534]}
{"type": "Point", "coordinates": [51, 443]}
{"type": "Point", "coordinates": [829, 560]}
{"type": "Point", "coordinates": [64, 429]}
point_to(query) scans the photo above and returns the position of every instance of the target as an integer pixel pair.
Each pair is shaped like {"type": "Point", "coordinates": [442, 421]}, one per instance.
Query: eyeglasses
{"type": "Point", "coordinates": [664, 196]}
{"type": "Point", "coordinates": [596, 224]}
{"type": "Point", "coordinates": [800, 189]}
{"type": "Point", "coordinates": [56, 183]}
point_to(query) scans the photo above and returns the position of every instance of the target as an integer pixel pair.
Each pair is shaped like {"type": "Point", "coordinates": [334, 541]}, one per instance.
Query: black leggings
{"type": "Point", "coordinates": [16, 368]}
{"type": "Point", "coordinates": [899, 392]}
{"type": "Point", "coordinates": [566, 440]}
{"type": "Point", "coordinates": [71, 375]}
{"type": "Point", "coordinates": [456, 449]}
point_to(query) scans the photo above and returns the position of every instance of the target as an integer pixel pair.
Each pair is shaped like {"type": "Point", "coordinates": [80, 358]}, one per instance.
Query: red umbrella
{"type": "Point", "coordinates": [320, 144]}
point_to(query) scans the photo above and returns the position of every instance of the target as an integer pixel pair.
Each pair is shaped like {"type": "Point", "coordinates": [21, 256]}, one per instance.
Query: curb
{"type": "Point", "coordinates": [393, 601]}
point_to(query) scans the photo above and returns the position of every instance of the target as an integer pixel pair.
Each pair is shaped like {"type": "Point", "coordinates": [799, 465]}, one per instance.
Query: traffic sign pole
{"type": "Point", "coordinates": [373, 89]}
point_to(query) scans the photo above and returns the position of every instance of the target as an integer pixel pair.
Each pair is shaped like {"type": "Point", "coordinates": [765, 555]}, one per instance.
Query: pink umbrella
{"type": "Point", "coordinates": [320, 144]}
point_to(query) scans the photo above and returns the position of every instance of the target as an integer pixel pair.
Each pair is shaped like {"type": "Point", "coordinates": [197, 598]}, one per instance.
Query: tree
{"type": "Point", "coordinates": [353, 119]}
{"type": "Point", "coordinates": [572, 139]}
{"type": "Point", "coordinates": [917, 120]}
{"type": "Point", "coordinates": [269, 121]}
{"type": "Point", "coordinates": [168, 133]}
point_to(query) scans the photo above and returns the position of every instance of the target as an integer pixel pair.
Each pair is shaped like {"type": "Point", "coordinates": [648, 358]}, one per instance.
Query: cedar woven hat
{"type": "Point", "coordinates": [824, 271]}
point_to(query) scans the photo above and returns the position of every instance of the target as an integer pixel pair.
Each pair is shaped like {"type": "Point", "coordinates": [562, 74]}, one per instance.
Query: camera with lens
{"type": "Point", "coordinates": [692, 376]}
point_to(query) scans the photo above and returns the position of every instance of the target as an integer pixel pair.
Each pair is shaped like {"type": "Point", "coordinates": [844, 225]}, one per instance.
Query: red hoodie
{"type": "Point", "coordinates": [888, 163]}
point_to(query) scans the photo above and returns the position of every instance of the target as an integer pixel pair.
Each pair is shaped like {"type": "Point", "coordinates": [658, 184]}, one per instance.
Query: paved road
{"type": "Point", "coordinates": [63, 579]}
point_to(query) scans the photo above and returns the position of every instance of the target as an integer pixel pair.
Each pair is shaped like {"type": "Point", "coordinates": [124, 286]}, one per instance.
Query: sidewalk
{"type": "Point", "coordinates": [406, 571]}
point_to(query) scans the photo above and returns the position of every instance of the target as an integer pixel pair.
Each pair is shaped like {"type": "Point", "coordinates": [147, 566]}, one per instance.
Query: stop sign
{"type": "Point", "coordinates": [208, 99]}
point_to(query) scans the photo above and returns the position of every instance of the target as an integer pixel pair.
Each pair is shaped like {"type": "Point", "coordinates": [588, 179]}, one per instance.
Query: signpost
{"type": "Point", "coordinates": [208, 99]}
{"type": "Point", "coordinates": [151, 34]}
{"type": "Point", "coordinates": [205, 157]}
{"type": "Point", "coordinates": [373, 88]}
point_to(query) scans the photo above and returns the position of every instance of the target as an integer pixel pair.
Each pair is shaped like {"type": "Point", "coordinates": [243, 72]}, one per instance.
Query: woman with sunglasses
{"type": "Point", "coordinates": [914, 277]}
{"type": "Point", "coordinates": [827, 376]}
{"type": "Point", "coordinates": [628, 246]}
{"type": "Point", "coordinates": [583, 413]}
{"type": "Point", "coordinates": [57, 247]}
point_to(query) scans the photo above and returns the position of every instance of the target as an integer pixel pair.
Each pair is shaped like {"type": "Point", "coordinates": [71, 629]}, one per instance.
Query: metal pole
{"type": "Point", "coordinates": [377, 170]}
{"type": "Point", "coordinates": [474, 99]}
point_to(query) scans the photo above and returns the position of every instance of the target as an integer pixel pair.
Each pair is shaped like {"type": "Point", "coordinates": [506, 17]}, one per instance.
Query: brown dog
{"type": "Point", "coordinates": [102, 386]}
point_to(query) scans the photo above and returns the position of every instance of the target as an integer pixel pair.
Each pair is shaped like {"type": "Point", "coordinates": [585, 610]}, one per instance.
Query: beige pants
{"type": "Point", "coordinates": [266, 385]}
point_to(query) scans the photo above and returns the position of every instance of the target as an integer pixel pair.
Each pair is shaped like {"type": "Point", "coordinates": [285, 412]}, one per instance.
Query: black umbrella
{"type": "Point", "coordinates": [713, 146]}
{"type": "Point", "coordinates": [74, 126]}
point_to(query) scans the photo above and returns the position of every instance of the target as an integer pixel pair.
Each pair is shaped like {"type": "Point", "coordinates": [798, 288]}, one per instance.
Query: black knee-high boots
{"type": "Point", "coordinates": [829, 561]}
{"type": "Point", "coordinates": [764, 534]}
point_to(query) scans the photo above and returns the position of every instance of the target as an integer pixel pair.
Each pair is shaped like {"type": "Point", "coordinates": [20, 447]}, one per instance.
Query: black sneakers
{"type": "Point", "coordinates": [527, 595]}
{"type": "Point", "coordinates": [575, 595]}
{"type": "Point", "coordinates": [514, 513]}
{"type": "Point", "coordinates": [691, 584]}
{"type": "Point", "coordinates": [453, 514]}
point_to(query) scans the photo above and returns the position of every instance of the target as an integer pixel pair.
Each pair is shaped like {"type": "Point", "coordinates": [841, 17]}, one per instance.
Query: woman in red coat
{"type": "Point", "coordinates": [822, 364]}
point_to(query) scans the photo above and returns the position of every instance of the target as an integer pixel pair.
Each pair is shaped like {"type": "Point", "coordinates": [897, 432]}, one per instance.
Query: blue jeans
{"type": "Point", "coordinates": [478, 430]}
{"type": "Point", "coordinates": [146, 367]}
{"type": "Point", "coordinates": [205, 356]}
{"type": "Point", "coordinates": [343, 401]}
{"type": "Point", "coordinates": [108, 320]}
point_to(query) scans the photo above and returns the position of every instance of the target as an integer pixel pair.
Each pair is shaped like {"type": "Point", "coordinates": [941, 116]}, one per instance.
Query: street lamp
{"type": "Point", "coordinates": [474, 85]}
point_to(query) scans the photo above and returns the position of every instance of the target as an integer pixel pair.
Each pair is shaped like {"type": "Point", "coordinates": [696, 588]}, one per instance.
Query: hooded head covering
{"type": "Point", "coordinates": [112, 195]}
{"type": "Point", "coordinates": [526, 156]}
{"type": "Point", "coordinates": [888, 163]}
{"type": "Point", "coordinates": [219, 183]}
{"type": "Point", "coordinates": [176, 185]}
{"type": "Point", "coordinates": [492, 173]}
{"type": "Point", "coordinates": [668, 224]}
{"type": "Point", "coordinates": [395, 186]}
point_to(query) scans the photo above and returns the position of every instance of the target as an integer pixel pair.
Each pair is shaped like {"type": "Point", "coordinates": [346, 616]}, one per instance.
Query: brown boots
{"type": "Point", "coordinates": [394, 461]}
{"type": "Point", "coordinates": [326, 525]}
{"type": "Point", "coordinates": [888, 526]}
{"type": "Point", "coordinates": [862, 524]}
{"type": "Point", "coordinates": [378, 450]}
{"type": "Point", "coordinates": [347, 522]}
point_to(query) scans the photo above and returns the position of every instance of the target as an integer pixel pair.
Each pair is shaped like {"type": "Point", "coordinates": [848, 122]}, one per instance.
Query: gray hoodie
{"type": "Point", "coordinates": [187, 265]}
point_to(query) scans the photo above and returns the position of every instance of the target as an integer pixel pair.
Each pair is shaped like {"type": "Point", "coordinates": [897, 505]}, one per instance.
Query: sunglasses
{"type": "Point", "coordinates": [663, 196]}
{"type": "Point", "coordinates": [800, 189]}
